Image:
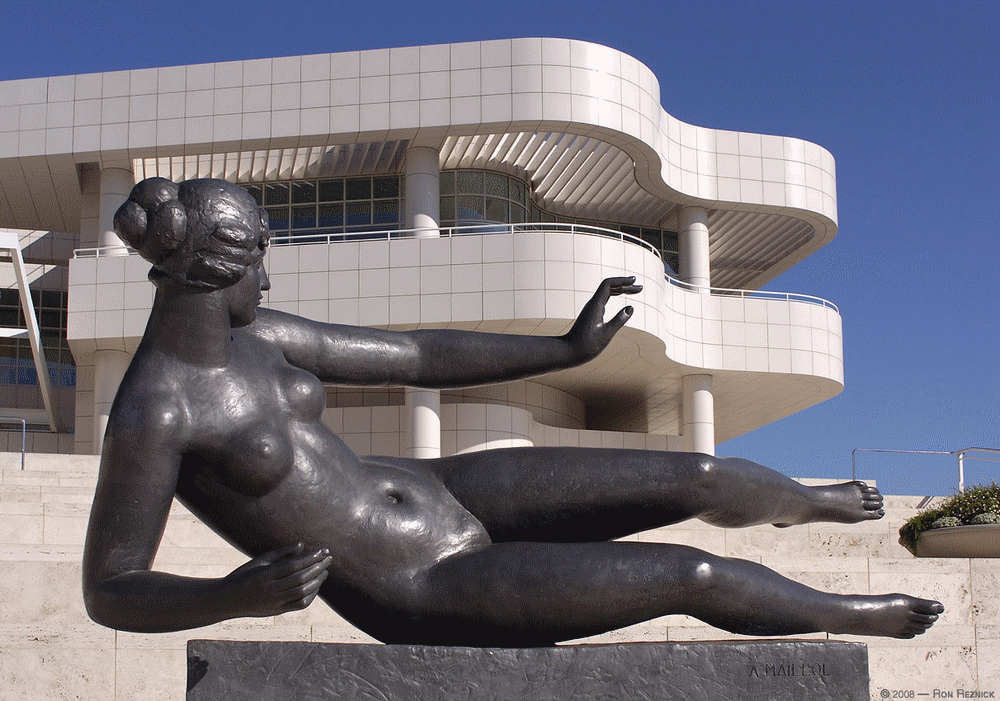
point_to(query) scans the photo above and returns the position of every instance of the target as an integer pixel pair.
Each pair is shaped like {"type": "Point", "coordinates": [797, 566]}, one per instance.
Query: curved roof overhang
{"type": "Point", "coordinates": [581, 122]}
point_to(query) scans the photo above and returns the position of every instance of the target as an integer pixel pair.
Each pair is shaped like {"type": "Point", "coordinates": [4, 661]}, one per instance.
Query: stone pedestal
{"type": "Point", "coordinates": [784, 670]}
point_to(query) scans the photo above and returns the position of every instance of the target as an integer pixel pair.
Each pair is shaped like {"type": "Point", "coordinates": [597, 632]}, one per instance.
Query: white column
{"type": "Point", "coordinates": [423, 425]}
{"type": "Point", "coordinates": [90, 197]}
{"type": "Point", "coordinates": [692, 240]}
{"type": "Point", "coordinates": [116, 184]}
{"type": "Point", "coordinates": [423, 191]}
{"type": "Point", "coordinates": [109, 369]}
{"type": "Point", "coordinates": [109, 365]}
{"type": "Point", "coordinates": [423, 212]}
{"type": "Point", "coordinates": [698, 414]}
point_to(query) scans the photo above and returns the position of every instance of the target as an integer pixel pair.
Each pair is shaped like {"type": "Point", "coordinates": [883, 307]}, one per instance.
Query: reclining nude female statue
{"type": "Point", "coordinates": [221, 408]}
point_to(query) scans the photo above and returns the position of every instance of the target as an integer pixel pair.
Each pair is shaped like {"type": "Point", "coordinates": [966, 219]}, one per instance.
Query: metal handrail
{"type": "Point", "coordinates": [752, 294]}
{"type": "Point", "coordinates": [491, 229]}
{"type": "Point", "coordinates": [960, 453]}
{"type": "Point", "coordinates": [105, 251]}
{"type": "Point", "coordinates": [387, 234]}
{"type": "Point", "coordinates": [24, 431]}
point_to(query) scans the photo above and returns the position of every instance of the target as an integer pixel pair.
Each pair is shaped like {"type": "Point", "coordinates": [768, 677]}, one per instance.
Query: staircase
{"type": "Point", "coordinates": [50, 649]}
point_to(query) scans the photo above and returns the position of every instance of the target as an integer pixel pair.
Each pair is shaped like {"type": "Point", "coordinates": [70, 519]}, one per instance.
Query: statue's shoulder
{"type": "Point", "coordinates": [151, 406]}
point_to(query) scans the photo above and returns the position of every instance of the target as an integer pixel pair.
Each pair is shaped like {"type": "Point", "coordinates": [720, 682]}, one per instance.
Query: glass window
{"type": "Point", "coordinates": [277, 218]}
{"type": "Point", "coordinates": [257, 192]}
{"type": "Point", "coordinates": [385, 212]}
{"type": "Point", "coordinates": [470, 182]}
{"type": "Point", "coordinates": [359, 213]}
{"type": "Point", "coordinates": [516, 214]}
{"type": "Point", "coordinates": [672, 261]}
{"type": "Point", "coordinates": [517, 192]}
{"type": "Point", "coordinates": [385, 187]}
{"type": "Point", "coordinates": [496, 210]}
{"type": "Point", "coordinates": [447, 182]}
{"type": "Point", "coordinates": [304, 217]}
{"type": "Point", "coordinates": [331, 190]}
{"type": "Point", "coordinates": [303, 192]}
{"type": "Point", "coordinates": [469, 208]}
{"type": "Point", "coordinates": [48, 318]}
{"type": "Point", "coordinates": [359, 189]}
{"type": "Point", "coordinates": [652, 237]}
{"type": "Point", "coordinates": [670, 241]}
{"type": "Point", "coordinates": [496, 185]}
{"type": "Point", "coordinates": [17, 364]}
{"type": "Point", "coordinates": [331, 215]}
{"type": "Point", "coordinates": [276, 193]}
{"type": "Point", "coordinates": [447, 209]}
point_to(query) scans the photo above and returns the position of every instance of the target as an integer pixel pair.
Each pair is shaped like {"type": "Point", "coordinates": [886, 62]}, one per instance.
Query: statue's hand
{"type": "Point", "coordinates": [591, 334]}
{"type": "Point", "coordinates": [279, 581]}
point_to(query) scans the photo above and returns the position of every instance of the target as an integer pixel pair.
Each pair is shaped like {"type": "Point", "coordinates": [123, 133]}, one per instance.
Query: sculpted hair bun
{"type": "Point", "coordinates": [152, 221]}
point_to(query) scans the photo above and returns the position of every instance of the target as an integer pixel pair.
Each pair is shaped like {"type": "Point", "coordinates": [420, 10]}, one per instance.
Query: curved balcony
{"type": "Point", "coordinates": [770, 354]}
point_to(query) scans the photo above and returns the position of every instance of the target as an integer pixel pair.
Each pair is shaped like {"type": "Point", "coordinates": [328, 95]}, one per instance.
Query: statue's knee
{"type": "Point", "coordinates": [704, 473]}
{"type": "Point", "coordinates": [701, 575]}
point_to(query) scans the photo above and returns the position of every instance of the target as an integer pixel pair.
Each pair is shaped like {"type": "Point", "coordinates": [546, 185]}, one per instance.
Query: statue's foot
{"type": "Point", "coordinates": [891, 615]}
{"type": "Point", "coordinates": [850, 502]}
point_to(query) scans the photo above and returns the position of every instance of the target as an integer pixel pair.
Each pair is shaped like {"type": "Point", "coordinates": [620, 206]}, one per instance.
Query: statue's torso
{"type": "Point", "coordinates": [263, 470]}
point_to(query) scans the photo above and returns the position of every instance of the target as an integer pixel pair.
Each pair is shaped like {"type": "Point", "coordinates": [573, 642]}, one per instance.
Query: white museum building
{"type": "Point", "coordinates": [484, 185]}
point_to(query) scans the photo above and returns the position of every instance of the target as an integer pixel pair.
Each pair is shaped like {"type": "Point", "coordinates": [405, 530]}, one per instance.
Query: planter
{"type": "Point", "coordinates": [960, 541]}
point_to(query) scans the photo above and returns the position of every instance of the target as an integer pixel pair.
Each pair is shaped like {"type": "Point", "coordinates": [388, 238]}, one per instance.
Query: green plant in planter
{"type": "Point", "coordinates": [975, 505]}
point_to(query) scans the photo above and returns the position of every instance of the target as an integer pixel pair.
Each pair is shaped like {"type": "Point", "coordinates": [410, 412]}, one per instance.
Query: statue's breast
{"type": "Point", "coordinates": [256, 458]}
{"type": "Point", "coordinates": [303, 393]}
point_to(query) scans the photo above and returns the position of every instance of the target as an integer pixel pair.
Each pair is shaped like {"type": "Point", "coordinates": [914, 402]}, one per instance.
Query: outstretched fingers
{"type": "Point", "coordinates": [591, 334]}
{"type": "Point", "coordinates": [621, 286]}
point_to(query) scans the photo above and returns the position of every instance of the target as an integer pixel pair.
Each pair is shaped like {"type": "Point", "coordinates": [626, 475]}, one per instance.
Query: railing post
{"type": "Point", "coordinates": [961, 471]}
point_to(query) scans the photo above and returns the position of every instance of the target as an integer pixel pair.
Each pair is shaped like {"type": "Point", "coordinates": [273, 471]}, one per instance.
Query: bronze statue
{"type": "Point", "coordinates": [221, 408]}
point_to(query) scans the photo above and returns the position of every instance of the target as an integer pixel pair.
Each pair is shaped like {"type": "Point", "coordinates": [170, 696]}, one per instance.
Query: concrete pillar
{"type": "Point", "coordinates": [698, 414]}
{"type": "Point", "coordinates": [423, 425]}
{"type": "Point", "coordinates": [423, 191]}
{"type": "Point", "coordinates": [692, 240]}
{"type": "Point", "coordinates": [109, 365]}
{"type": "Point", "coordinates": [423, 212]}
{"type": "Point", "coordinates": [109, 369]}
{"type": "Point", "coordinates": [90, 196]}
{"type": "Point", "coordinates": [116, 184]}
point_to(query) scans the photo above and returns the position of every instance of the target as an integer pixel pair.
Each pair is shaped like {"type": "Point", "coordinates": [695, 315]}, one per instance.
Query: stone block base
{"type": "Point", "coordinates": [772, 670]}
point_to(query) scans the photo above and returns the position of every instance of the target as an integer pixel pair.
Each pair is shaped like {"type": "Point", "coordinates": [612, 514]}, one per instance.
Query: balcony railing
{"type": "Point", "coordinates": [307, 237]}
{"type": "Point", "coordinates": [752, 294]}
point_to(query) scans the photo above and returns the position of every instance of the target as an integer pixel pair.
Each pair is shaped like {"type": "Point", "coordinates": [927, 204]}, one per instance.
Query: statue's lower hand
{"type": "Point", "coordinates": [286, 579]}
{"type": "Point", "coordinates": [590, 333]}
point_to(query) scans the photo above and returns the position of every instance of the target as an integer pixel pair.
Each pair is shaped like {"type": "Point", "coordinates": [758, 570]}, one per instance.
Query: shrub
{"type": "Point", "coordinates": [988, 517]}
{"type": "Point", "coordinates": [973, 506]}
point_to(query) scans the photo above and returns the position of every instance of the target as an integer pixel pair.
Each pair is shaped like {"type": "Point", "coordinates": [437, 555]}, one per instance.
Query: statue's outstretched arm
{"type": "Point", "coordinates": [356, 355]}
{"type": "Point", "coordinates": [135, 489]}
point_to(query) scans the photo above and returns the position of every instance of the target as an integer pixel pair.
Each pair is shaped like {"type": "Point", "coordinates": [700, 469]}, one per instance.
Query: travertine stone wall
{"type": "Point", "coordinates": [50, 650]}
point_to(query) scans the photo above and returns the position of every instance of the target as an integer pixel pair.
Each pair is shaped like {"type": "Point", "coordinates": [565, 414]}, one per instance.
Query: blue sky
{"type": "Point", "coordinates": [904, 94]}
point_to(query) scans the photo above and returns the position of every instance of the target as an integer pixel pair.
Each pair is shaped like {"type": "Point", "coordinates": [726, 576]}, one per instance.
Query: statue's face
{"type": "Point", "coordinates": [244, 297]}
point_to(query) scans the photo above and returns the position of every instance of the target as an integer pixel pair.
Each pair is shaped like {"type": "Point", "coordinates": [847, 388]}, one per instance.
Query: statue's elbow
{"type": "Point", "coordinates": [101, 607]}
{"type": "Point", "coordinates": [97, 609]}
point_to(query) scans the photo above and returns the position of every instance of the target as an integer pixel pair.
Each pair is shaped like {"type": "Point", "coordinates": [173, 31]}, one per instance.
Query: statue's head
{"type": "Point", "coordinates": [201, 233]}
